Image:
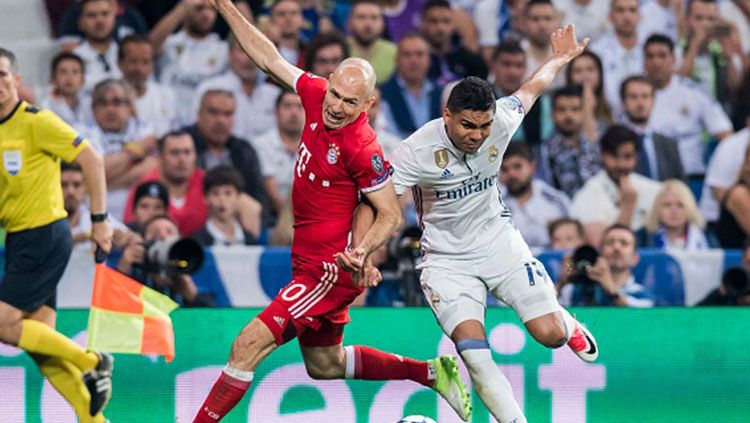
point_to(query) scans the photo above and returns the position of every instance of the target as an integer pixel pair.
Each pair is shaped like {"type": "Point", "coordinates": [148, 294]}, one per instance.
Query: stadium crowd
{"type": "Point", "coordinates": [643, 142]}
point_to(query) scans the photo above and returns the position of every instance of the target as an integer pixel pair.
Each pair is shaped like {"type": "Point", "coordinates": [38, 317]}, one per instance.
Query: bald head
{"type": "Point", "coordinates": [357, 71]}
{"type": "Point", "coordinates": [350, 93]}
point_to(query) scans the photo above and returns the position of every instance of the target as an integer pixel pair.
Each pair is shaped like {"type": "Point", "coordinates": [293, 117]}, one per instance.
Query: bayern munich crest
{"type": "Point", "coordinates": [333, 154]}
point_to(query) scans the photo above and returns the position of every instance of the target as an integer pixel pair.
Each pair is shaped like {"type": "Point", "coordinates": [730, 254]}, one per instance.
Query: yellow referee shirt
{"type": "Point", "coordinates": [32, 142]}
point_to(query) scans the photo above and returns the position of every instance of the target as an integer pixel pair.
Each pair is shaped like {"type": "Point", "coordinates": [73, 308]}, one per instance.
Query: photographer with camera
{"type": "Point", "coordinates": [734, 288]}
{"type": "Point", "coordinates": [606, 279]}
{"type": "Point", "coordinates": [163, 261]}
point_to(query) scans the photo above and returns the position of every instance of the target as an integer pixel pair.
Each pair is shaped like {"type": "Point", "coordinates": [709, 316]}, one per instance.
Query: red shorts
{"type": "Point", "coordinates": [313, 310]}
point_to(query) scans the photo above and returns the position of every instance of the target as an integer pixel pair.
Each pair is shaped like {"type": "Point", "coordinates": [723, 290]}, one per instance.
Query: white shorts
{"type": "Point", "coordinates": [457, 289]}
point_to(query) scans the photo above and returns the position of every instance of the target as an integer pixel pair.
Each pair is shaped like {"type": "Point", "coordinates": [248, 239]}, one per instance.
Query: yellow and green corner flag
{"type": "Point", "coordinates": [128, 317]}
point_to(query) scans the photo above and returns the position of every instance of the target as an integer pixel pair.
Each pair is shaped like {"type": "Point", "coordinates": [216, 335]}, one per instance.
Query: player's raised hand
{"type": "Point", "coordinates": [565, 45]}
{"type": "Point", "coordinates": [351, 261]}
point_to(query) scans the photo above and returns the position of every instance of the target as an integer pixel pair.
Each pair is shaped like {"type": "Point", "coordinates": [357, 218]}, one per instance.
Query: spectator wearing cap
{"type": "Point", "coordinates": [150, 199]}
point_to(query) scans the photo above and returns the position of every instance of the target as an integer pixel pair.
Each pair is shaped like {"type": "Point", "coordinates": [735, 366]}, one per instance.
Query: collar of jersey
{"type": "Point", "coordinates": [12, 112]}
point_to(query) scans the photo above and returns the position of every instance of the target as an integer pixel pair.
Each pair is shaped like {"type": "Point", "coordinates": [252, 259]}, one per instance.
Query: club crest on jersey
{"type": "Point", "coordinates": [377, 163]}
{"type": "Point", "coordinates": [333, 154]}
{"type": "Point", "coordinates": [12, 160]}
{"type": "Point", "coordinates": [493, 154]}
{"type": "Point", "coordinates": [441, 158]}
{"type": "Point", "coordinates": [313, 126]}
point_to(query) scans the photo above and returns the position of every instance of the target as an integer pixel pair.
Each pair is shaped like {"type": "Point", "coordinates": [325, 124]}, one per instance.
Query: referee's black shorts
{"type": "Point", "coordinates": [35, 260]}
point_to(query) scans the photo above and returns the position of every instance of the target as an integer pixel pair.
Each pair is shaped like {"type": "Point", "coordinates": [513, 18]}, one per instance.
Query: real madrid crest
{"type": "Point", "coordinates": [441, 158]}
{"type": "Point", "coordinates": [493, 154]}
{"type": "Point", "coordinates": [333, 154]}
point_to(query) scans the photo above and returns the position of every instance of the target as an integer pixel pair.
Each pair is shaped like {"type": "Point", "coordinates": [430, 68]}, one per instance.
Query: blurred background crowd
{"type": "Point", "coordinates": [642, 142]}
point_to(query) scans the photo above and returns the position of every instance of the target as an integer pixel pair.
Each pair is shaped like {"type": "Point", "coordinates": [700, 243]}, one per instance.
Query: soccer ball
{"type": "Point", "coordinates": [416, 419]}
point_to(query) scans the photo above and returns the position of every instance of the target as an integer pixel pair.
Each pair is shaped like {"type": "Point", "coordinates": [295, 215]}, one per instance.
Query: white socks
{"type": "Point", "coordinates": [492, 386]}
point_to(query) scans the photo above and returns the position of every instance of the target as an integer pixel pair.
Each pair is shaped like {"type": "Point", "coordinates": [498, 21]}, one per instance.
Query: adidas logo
{"type": "Point", "coordinates": [279, 320]}
{"type": "Point", "coordinates": [446, 174]}
{"type": "Point", "coordinates": [313, 125]}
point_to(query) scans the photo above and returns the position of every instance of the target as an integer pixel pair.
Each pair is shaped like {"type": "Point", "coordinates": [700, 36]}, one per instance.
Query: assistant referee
{"type": "Point", "coordinates": [38, 243]}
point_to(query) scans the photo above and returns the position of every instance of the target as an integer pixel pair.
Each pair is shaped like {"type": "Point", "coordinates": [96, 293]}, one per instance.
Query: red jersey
{"type": "Point", "coordinates": [190, 216]}
{"type": "Point", "coordinates": [333, 166]}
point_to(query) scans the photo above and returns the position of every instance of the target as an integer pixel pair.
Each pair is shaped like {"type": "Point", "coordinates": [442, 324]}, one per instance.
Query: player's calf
{"type": "Point", "coordinates": [325, 363]}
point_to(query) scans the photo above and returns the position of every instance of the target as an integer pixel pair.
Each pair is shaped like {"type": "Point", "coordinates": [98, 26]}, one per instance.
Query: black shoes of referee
{"type": "Point", "coordinates": [99, 382]}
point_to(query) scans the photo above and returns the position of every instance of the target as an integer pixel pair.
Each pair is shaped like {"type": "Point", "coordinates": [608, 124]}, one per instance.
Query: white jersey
{"type": "Point", "coordinates": [456, 193]}
{"type": "Point", "coordinates": [186, 62]}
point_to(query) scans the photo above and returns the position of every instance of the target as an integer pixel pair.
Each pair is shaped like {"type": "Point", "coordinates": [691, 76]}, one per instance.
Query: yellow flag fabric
{"type": "Point", "coordinates": [128, 317]}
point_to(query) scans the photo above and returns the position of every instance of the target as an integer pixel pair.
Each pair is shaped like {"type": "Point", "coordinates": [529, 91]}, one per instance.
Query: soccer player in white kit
{"type": "Point", "coordinates": [470, 243]}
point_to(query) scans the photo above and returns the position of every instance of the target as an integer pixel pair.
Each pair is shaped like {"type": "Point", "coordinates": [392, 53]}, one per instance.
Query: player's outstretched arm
{"type": "Point", "coordinates": [565, 47]}
{"type": "Point", "coordinates": [257, 46]}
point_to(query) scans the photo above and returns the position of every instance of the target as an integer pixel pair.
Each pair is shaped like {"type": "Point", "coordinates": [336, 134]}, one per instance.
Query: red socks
{"type": "Point", "coordinates": [226, 393]}
{"type": "Point", "coordinates": [370, 364]}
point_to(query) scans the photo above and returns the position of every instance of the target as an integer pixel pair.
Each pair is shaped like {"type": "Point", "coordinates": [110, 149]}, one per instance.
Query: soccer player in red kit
{"type": "Point", "coordinates": [339, 158]}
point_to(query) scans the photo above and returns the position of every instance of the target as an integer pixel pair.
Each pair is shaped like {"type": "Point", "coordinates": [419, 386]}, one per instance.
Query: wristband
{"type": "Point", "coordinates": [98, 217]}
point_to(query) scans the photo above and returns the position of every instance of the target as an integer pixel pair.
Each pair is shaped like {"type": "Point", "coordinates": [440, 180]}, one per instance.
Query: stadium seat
{"type": "Point", "coordinates": [23, 20]}
{"type": "Point", "coordinates": [24, 29]}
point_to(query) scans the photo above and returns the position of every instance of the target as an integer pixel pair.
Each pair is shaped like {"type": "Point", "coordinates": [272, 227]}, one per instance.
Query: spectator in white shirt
{"type": "Point", "coordinates": [66, 96]}
{"type": "Point", "coordinates": [722, 172]}
{"type": "Point", "coordinates": [255, 97]}
{"type": "Point", "coordinates": [277, 149]}
{"type": "Point", "coordinates": [125, 142]}
{"type": "Point", "coordinates": [533, 203]}
{"type": "Point", "coordinates": [540, 21]}
{"type": "Point", "coordinates": [661, 17]}
{"type": "Point", "coordinates": [588, 16]}
{"type": "Point", "coordinates": [615, 195]}
{"type": "Point", "coordinates": [620, 50]}
{"type": "Point", "coordinates": [99, 47]}
{"type": "Point", "coordinates": [189, 56]}
{"type": "Point", "coordinates": [154, 103]}
{"type": "Point", "coordinates": [682, 111]}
